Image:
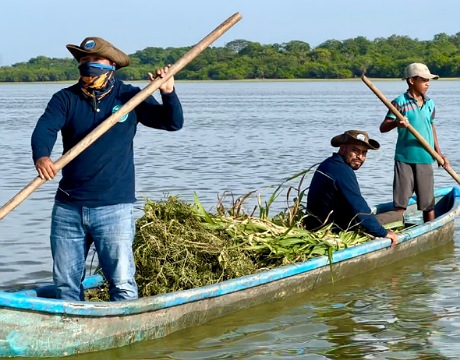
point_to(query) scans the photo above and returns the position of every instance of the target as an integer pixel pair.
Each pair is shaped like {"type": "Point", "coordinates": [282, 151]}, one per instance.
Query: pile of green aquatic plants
{"type": "Point", "coordinates": [179, 245]}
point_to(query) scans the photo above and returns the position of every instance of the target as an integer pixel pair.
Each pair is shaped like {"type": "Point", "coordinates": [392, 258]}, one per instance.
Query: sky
{"type": "Point", "coordinates": [31, 28]}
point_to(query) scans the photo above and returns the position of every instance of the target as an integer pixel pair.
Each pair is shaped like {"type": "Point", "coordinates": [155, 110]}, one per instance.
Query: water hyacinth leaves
{"type": "Point", "coordinates": [174, 251]}
{"type": "Point", "coordinates": [181, 246]}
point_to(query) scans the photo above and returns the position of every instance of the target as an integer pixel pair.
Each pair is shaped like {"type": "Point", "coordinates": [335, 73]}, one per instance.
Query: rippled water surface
{"type": "Point", "coordinates": [248, 136]}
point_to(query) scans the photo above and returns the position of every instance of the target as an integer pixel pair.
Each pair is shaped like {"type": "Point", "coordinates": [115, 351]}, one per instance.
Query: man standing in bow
{"type": "Point", "coordinates": [95, 197]}
{"type": "Point", "coordinates": [334, 195]}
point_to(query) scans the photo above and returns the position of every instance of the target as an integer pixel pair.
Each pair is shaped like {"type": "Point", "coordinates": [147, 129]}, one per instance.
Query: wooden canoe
{"type": "Point", "coordinates": [34, 325]}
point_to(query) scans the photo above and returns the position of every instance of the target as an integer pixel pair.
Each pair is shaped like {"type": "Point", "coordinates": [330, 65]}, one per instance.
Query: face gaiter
{"type": "Point", "coordinates": [96, 80]}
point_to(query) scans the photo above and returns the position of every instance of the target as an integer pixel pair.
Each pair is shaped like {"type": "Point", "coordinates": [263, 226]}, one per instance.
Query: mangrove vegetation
{"type": "Point", "coordinates": [243, 59]}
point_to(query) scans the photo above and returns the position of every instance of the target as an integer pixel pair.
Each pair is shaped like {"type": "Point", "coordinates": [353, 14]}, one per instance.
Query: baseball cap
{"type": "Point", "coordinates": [418, 69]}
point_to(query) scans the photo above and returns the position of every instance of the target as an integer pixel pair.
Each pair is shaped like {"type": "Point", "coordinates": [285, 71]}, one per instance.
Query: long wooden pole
{"type": "Point", "coordinates": [414, 132]}
{"type": "Point", "coordinates": [129, 106]}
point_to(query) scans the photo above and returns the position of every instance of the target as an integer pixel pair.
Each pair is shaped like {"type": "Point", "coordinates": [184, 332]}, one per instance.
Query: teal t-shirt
{"type": "Point", "coordinates": [408, 148]}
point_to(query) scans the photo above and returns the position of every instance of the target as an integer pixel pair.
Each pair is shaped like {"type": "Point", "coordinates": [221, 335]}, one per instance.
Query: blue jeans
{"type": "Point", "coordinates": [111, 229]}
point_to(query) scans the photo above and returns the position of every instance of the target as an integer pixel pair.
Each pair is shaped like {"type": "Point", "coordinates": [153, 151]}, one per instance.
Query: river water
{"type": "Point", "coordinates": [245, 136]}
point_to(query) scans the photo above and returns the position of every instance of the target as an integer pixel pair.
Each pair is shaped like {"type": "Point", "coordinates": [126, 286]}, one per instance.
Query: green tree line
{"type": "Point", "coordinates": [242, 59]}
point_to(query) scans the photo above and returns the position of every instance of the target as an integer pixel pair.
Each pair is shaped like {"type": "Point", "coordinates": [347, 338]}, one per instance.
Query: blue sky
{"type": "Point", "coordinates": [29, 28]}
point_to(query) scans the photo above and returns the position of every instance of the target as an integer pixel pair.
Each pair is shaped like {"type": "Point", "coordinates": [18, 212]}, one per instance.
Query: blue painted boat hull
{"type": "Point", "coordinates": [33, 325]}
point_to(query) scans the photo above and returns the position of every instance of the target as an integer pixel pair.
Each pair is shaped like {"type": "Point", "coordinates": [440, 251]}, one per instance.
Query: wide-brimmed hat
{"type": "Point", "coordinates": [355, 137]}
{"type": "Point", "coordinates": [418, 69]}
{"type": "Point", "coordinates": [97, 46]}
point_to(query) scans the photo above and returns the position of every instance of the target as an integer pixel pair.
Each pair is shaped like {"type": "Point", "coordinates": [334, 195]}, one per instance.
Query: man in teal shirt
{"type": "Point", "coordinates": [413, 170]}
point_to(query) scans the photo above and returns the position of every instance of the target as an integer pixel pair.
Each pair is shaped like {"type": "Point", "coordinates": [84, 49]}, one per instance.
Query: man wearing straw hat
{"type": "Point", "coordinates": [95, 197]}
{"type": "Point", "coordinates": [334, 195]}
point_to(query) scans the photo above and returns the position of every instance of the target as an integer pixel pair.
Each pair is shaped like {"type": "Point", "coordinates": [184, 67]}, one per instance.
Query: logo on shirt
{"type": "Point", "coordinates": [115, 109]}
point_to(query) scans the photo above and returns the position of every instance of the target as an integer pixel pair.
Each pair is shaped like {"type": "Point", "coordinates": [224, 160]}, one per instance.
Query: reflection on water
{"type": "Point", "coordinates": [396, 312]}
{"type": "Point", "coordinates": [242, 137]}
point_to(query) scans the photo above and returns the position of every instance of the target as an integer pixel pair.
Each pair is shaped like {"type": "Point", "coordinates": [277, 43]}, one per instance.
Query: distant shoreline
{"type": "Point", "coordinates": [235, 81]}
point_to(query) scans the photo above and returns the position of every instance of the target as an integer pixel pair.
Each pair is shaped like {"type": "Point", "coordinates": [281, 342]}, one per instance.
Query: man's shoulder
{"type": "Point", "coordinates": [67, 92]}
{"type": "Point", "coordinates": [123, 89]}
{"type": "Point", "coordinates": [74, 88]}
{"type": "Point", "coordinates": [125, 86]}
{"type": "Point", "coordinates": [429, 101]}
{"type": "Point", "coordinates": [333, 164]}
{"type": "Point", "coordinates": [404, 97]}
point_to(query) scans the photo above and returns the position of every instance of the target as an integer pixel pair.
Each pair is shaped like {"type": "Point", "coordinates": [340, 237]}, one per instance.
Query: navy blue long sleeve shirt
{"type": "Point", "coordinates": [334, 194]}
{"type": "Point", "coordinates": [103, 174]}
